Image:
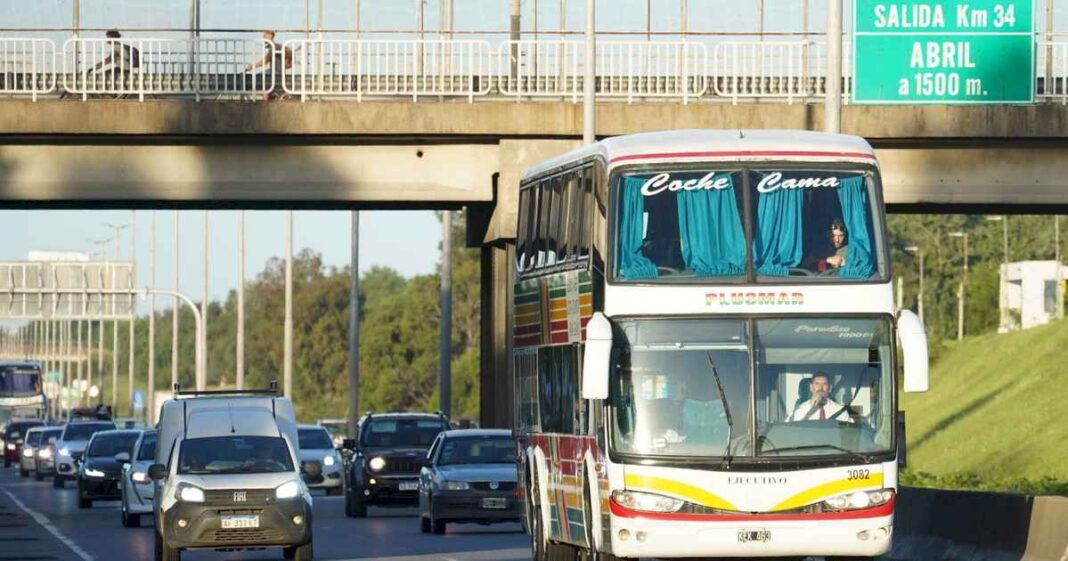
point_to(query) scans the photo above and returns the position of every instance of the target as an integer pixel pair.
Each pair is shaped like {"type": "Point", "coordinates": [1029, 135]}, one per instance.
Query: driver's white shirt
{"type": "Point", "coordinates": [830, 407]}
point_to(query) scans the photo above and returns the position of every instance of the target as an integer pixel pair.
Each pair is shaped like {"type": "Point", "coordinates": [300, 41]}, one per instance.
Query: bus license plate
{"type": "Point", "coordinates": [746, 536]}
{"type": "Point", "coordinates": [494, 504]}
{"type": "Point", "coordinates": [235, 522]}
{"type": "Point", "coordinates": [409, 485]}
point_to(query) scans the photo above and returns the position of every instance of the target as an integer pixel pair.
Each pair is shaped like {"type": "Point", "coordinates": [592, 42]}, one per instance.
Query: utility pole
{"type": "Point", "coordinates": [177, 289]}
{"type": "Point", "coordinates": [963, 283]}
{"type": "Point", "coordinates": [354, 327]}
{"type": "Point", "coordinates": [133, 308]}
{"type": "Point", "coordinates": [1057, 255]}
{"type": "Point", "coordinates": [832, 107]}
{"type": "Point", "coordinates": [648, 20]}
{"type": "Point", "coordinates": [241, 300]}
{"type": "Point", "coordinates": [684, 18]}
{"type": "Point", "coordinates": [589, 127]}
{"type": "Point", "coordinates": [150, 393]}
{"type": "Point", "coordinates": [202, 384]}
{"type": "Point", "coordinates": [514, 35]}
{"type": "Point", "coordinates": [80, 369]}
{"type": "Point", "coordinates": [287, 336]}
{"type": "Point", "coordinates": [445, 348]}
{"type": "Point", "coordinates": [1047, 83]}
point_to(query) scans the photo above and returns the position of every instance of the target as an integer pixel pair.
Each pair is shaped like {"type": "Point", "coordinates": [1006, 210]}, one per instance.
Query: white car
{"type": "Point", "coordinates": [320, 462]}
{"type": "Point", "coordinates": [70, 448]}
{"type": "Point", "coordinates": [137, 489]}
{"type": "Point", "coordinates": [28, 454]}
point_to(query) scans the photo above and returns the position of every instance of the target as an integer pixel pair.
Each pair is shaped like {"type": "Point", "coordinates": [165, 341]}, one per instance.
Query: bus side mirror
{"type": "Point", "coordinates": [596, 359]}
{"type": "Point", "coordinates": [913, 341]}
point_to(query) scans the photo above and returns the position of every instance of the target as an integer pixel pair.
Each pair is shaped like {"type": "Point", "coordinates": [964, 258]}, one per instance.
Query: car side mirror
{"type": "Point", "coordinates": [122, 457]}
{"type": "Point", "coordinates": [348, 444]}
{"type": "Point", "coordinates": [913, 338]}
{"type": "Point", "coordinates": [157, 472]}
{"type": "Point", "coordinates": [597, 357]}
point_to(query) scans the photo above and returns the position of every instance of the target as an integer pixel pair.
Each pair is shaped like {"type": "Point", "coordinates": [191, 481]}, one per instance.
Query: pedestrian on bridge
{"type": "Point", "coordinates": [124, 60]}
{"type": "Point", "coordinates": [277, 56]}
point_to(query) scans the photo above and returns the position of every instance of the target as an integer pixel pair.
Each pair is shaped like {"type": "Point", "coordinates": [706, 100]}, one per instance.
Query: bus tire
{"type": "Point", "coordinates": [591, 554]}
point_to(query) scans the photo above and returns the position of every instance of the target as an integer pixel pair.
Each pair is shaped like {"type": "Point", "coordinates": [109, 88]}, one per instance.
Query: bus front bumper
{"type": "Point", "coordinates": [668, 536]}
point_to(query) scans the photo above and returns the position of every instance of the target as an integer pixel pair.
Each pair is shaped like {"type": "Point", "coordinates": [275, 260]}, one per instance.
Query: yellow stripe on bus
{"type": "Point", "coordinates": [557, 315]}
{"type": "Point", "coordinates": [526, 309]}
{"type": "Point", "coordinates": [558, 304]}
{"type": "Point", "coordinates": [826, 490]}
{"type": "Point", "coordinates": [586, 300]}
{"type": "Point", "coordinates": [678, 489]}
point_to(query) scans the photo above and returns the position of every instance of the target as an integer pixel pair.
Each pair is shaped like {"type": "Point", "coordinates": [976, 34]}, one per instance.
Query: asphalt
{"type": "Point", "coordinates": [40, 523]}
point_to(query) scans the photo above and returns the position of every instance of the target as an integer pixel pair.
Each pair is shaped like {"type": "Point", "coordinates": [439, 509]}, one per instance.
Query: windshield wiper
{"type": "Point", "coordinates": [726, 461]}
{"type": "Point", "coordinates": [851, 453]}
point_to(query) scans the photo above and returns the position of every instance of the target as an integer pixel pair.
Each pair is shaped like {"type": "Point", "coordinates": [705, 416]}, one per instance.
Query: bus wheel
{"type": "Point", "coordinates": [591, 553]}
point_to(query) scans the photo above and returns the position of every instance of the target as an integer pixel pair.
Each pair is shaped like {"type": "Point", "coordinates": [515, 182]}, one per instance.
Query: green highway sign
{"type": "Point", "coordinates": [943, 51]}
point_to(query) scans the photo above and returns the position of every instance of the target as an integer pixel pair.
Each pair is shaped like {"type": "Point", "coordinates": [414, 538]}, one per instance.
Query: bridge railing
{"type": "Point", "coordinates": [183, 67]}
{"type": "Point", "coordinates": [27, 66]}
{"type": "Point", "coordinates": [390, 68]}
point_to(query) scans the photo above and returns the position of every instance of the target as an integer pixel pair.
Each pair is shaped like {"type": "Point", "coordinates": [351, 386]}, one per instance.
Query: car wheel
{"type": "Point", "coordinates": [134, 520]}
{"type": "Point", "coordinates": [24, 473]}
{"type": "Point", "coordinates": [38, 476]}
{"type": "Point", "coordinates": [424, 524]}
{"type": "Point", "coordinates": [359, 508]}
{"type": "Point", "coordinates": [437, 526]}
{"type": "Point", "coordinates": [85, 503]}
{"type": "Point", "coordinates": [57, 482]}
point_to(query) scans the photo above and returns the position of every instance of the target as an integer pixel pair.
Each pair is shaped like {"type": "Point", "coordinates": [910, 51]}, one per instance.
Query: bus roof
{"type": "Point", "coordinates": [706, 144]}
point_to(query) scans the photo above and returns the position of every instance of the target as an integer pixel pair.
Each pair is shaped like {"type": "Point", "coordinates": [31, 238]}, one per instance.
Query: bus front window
{"type": "Point", "coordinates": [666, 390]}
{"type": "Point", "coordinates": [824, 386]}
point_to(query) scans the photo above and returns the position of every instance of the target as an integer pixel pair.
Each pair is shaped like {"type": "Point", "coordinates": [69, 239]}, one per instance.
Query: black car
{"type": "Point", "coordinates": [100, 473]}
{"type": "Point", "coordinates": [389, 451]}
{"type": "Point", "coordinates": [14, 434]}
{"type": "Point", "coordinates": [471, 477]}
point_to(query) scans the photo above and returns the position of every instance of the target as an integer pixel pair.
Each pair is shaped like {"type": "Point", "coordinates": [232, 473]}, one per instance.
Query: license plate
{"type": "Point", "coordinates": [746, 536]}
{"type": "Point", "coordinates": [234, 522]}
{"type": "Point", "coordinates": [494, 503]}
{"type": "Point", "coordinates": [409, 485]}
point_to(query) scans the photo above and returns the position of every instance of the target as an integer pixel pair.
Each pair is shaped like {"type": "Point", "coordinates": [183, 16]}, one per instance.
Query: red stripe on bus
{"type": "Point", "coordinates": [876, 512]}
{"type": "Point", "coordinates": [745, 154]}
{"type": "Point", "coordinates": [527, 329]}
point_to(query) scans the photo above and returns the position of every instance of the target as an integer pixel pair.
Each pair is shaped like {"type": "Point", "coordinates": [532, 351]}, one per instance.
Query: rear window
{"type": "Point", "coordinates": [402, 432]}
{"type": "Point", "coordinates": [148, 447]}
{"type": "Point", "coordinates": [18, 430]}
{"type": "Point", "coordinates": [51, 435]}
{"type": "Point", "coordinates": [314, 439]}
{"type": "Point", "coordinates": [477, 450]}
{"type": "Point", "coordinates": [107, 445]}
{"type": "Point", "coordinates": [82, 431]}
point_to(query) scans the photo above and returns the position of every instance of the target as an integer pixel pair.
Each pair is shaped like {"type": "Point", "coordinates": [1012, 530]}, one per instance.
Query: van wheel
{"type": "Point", "coordinates": [164, 553]}
{"type": "Point", "coordinates": [437, 526]}
{"type": "Point", "coordinates": [298, 552]}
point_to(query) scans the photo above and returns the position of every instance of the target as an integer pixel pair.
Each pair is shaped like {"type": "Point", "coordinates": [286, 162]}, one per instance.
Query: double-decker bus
{"type": "Point", "coordinates": [705, 349]}
{"type": "Point", "coordinates": [21, 392]}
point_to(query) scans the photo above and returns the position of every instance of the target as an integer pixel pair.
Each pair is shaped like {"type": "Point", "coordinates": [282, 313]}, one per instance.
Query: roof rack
{"type": "Point", "coordinates": [272, 390]}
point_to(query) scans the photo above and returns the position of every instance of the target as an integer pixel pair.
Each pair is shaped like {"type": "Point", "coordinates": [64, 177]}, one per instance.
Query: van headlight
{"type": "Point", "coordinates": [377, 463]}
{"type": "Point", "coordinates": [328, 461]}
{"type": "Point", "coordinates": [189, 493]}
{"type": "Point", "coordinates": [287, 490]}
{"type": "Point", "coordinates": [858, 500]}
{"type": "Point", "coordinates": [648, 502]}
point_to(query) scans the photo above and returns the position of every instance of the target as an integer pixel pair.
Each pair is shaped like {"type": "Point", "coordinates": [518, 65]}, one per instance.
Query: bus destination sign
{"type": "Point", "coordinates": [944, 51]}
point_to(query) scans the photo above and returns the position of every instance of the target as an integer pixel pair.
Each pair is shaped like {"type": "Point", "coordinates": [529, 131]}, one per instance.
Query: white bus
{"type": "Point", "coordinates": [705, 349]}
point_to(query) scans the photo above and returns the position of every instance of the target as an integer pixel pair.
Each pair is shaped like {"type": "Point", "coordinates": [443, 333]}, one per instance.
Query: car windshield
{"type": "Point", "coordinates": [823, 387]}
{"type": "Point", "coordinates": [15, 431]}
{"type": "Point", "coordinates": [811, 225]}
{"type": "Point", "coordinates": [477, 450]}
{"type": "Point", "coordinates": [148, 447]}
{"type": "Point", "coordinates": [314, 439]}
{"type": "Point", "coordinates": [234, 454]}
{"type": "Point", "coordinates": [417, 433]}
{"type": "Point", "coordinates": [82, 431]}
{"type": "Point", "coordinates": [108, 445]}
{"type": "Point", "coordinates": [51, 435]}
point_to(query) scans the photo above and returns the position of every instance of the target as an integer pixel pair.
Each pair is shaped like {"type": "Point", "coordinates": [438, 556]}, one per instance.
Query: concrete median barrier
{"type": "Point", "coordinates": [937, 525]}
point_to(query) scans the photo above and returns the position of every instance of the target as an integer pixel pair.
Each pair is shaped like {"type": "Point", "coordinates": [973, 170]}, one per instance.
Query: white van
{"type": "Point", "coordinates": [228, 476]}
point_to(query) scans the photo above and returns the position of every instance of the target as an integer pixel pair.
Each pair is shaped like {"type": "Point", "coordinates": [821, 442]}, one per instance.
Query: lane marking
{"type": "Point", "coordinates": [47, 525]}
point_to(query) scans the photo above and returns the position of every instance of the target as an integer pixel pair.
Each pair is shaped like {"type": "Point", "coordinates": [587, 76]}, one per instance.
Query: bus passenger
{"type": "Point", "coordinates": [820, 406]}
{"type": "Point", "coordinates": [834, 257]}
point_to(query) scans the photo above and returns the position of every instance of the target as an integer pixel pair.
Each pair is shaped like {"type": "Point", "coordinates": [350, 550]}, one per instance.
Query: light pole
{"type": "Point", "coordinates": [117, 237]}
{"type": "Point", "coordinates": [287, 328]}
{"type": "Point", "coordinates": [240, 358]}
{"type": "Point", "coordinates": [963, 283]}
{"type": "Point", "coordinates": [832, 107]}
{"type": "Point", "coordinates": [589, 127]}
{"type": "Point", "coordinates": [445, 348]}
{"type": "Point", "coordinates": [354, 327]}
{"type": "Point", "coordinates": [204, 306]}
{"type": "Point", "coordinates": [1003, 303]}
{"type": "Point", "coordinates": [177, 288]}
{"type": "Point", "coordinates": [915, 249]}
{"type": "Point", "coordinates": [150, 396]}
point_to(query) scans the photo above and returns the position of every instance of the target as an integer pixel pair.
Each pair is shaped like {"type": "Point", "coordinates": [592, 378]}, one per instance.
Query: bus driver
{"type": "Point", "coordinates": [820, 406]}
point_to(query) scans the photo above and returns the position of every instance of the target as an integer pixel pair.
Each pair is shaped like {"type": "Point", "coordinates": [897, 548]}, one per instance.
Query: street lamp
{"type": "Point", "coordinates": [963, 282]}
{"type": "Point", "coordinates": [915, 249]}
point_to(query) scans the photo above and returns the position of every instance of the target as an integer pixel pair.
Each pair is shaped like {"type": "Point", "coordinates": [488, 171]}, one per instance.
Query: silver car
{"type": "Point", "coordinates": [135, 485]}
{"type": "Point", "coordinates": [320, 462]}
{"type": "Point", "coordinates": [28, 455]}
{"type": "Point", "coordinates": [45, 459]}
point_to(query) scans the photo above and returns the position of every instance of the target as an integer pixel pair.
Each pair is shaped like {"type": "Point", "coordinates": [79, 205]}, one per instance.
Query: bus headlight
{"type": "Point", "coordinates": [859, 500]}
{"type": "Point", "coordinates": [647, 502]}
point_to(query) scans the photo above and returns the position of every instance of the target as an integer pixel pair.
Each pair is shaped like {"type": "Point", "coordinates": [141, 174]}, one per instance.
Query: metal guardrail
{"type": "Point", "coordinates": [27, 66]}
{"type": "Point", "coordinates": [140, 67]}
{"type": "Point", "coordinates": [786, 70]}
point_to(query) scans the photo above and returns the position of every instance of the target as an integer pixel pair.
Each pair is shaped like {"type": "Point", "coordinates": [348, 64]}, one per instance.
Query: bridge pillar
{"type": "Point", "coordinates": [496, 390]}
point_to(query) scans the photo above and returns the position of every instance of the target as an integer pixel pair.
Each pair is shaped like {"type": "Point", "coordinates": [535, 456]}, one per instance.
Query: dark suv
{"type": "Point", "coordinates": [14, 436]}
{"type": "Point", "coordinates": [389, 451]}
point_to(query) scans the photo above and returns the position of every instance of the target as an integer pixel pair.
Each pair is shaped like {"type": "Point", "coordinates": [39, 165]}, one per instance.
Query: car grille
{"type": "Point", "coordinates": [225, 497]}
{"type": "Point", "coordinates": [501, 486]}
{"type": "Point", "coordinates": [246, 535]}
{"type": "Point", "coordinates": [402, 466]}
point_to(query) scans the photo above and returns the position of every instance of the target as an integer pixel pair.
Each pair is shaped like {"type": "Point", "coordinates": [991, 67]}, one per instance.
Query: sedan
{"type": "Point", "coordinates": [320, 463]}
{"type": "Point", "coordinates": [101, 470]}
{"type": "Point", "coordinates": [471, 477]}
{"type": "Point", "coordinates": [45, 460]}
{"type": "Point", "coordinates": [28, 456]}
{"type": "Point", "coordinates": [136, 487]}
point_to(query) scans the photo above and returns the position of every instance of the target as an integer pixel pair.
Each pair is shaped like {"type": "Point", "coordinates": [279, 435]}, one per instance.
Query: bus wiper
{"type": "Point", "coordinates": [851, 453]}
{"type": "Point", "coordinates": [726, 461]}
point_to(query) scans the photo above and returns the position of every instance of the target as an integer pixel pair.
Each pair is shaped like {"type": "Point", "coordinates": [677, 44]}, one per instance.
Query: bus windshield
{"type": "Point", "coordinates": [18, 382]}
{"type": "Point", "coordinates": [764, 225]}
{"type": "Point", "coordinates": [686, 388]}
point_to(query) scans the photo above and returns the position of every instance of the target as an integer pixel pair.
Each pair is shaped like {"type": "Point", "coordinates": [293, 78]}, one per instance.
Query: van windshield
{"type": "Point", "coordinates": [234, 454]}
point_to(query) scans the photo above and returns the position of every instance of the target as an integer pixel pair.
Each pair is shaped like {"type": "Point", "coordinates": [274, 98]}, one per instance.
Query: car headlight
{"type": "Point", "coordinates": [44, 453]}
{"type": "Point", "coordinates": [455, 485]}
{"type": "Point", "coordinates": [90, 472]}
{"type": "Point", "coordinates": [859, 499]}
{"type": "Point", "coordinates": [10, 445]}
{"type": "Point", "coordinates": [64, 451]}
{"type": "Point", "coordinates": [27, 452]}
{"type": "Point", "coordinates": [139, 477]}
{"type": "Point", "coordinates": [648, 502]}
{"type": "Point", "coordinates": [287, 490]}
{"type": "Point", "coordinates": [328, 461]}
{"type": "Point", "coordinates": [189, 493]}
{"type": "Point", "coordinates": [377, 463]}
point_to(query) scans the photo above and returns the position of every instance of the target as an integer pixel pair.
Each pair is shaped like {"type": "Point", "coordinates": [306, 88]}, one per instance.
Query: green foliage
{"type": "Point", "coordinates": [974, 482]}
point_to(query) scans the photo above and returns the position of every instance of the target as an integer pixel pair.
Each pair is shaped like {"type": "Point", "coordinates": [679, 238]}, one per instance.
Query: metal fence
{"type": "Point", "coordinates": [782, 69]}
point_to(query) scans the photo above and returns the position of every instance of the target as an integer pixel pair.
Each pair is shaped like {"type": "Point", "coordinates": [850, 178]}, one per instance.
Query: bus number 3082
{"type": "Point", "coordinates": [858, 474]}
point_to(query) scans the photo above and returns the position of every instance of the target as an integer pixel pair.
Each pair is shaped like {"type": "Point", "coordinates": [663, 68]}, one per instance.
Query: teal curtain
{"type": "Point", "coordinates": [778, 243]}
{"type": "Point", "coordinates": [713, 241]}
{"type": "Point", "coordinates": [856, 214]}
{"type": "Point", "coordinates": [633, 264]}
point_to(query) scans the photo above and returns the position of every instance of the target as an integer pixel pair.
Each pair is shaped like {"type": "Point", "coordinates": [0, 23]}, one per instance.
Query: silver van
{"type": "Point", "coordinates": [227, 475]}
